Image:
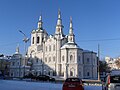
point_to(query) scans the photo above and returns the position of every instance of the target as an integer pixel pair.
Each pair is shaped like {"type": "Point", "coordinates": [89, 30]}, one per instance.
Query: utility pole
{"type": "Point", "coordinates": [98, 61]}
{"type": "Point", "coordinates": [25, 40]}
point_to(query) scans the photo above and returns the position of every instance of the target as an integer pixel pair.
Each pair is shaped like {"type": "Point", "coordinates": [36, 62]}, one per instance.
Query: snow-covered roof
{"type": "Point", "coordinates": [87, 51]}
{"type": "Point", "coordinates": [70, 45]}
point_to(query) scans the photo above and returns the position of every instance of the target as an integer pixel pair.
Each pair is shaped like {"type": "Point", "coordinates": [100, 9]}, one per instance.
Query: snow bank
{"type": "Point", "coordinates": [23, 85]}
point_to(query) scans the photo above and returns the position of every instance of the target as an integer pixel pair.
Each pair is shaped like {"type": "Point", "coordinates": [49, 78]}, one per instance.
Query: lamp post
{"type": "Point", "coordinates": [25, 40]}
{"type": "Point", "coordinates": [98, 61]}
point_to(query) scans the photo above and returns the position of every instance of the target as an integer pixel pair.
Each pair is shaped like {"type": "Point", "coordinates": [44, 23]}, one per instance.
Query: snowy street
{"type": "Point", "coordinates": [23, 85]}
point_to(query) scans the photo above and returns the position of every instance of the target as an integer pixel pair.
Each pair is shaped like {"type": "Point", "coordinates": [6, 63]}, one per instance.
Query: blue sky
{"type": "Point", "coordinates": [96, 20]}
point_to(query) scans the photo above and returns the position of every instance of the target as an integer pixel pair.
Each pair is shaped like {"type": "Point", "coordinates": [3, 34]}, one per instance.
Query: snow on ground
{"type": "Point", "coordinates": [23, 85]}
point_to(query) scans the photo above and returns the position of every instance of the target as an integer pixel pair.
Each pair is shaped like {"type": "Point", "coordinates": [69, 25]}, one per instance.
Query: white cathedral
{"type": "Point", "coordinates": [58, 55]}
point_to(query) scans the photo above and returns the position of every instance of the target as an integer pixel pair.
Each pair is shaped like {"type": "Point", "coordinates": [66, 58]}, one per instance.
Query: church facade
{"type": "Point", "coordinates": [59, 55]}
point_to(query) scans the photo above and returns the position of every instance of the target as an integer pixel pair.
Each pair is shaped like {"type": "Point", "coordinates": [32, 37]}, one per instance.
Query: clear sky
{"type": "Point", "coordinates": [94, 21]}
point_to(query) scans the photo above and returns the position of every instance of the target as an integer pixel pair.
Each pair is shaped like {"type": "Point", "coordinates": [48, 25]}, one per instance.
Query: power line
{"type": "Point", "coordinates": [96, 40]}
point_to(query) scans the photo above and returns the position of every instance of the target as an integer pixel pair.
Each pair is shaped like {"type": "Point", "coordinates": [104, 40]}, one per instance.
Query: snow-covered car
{"type": "Point", "coordinates": [73, 84]}
{"type": "Point", "coordinates": [112, 82]}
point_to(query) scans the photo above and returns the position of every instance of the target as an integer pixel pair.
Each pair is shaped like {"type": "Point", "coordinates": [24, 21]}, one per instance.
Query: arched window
{"type": "Point", "coordinates": [71, 73]}
{"type": "Point", "coordinates": [33, 40]}
{"type": "Point", "coordinates": [46, 48]}
{"type": "Point", "coordinates": [45, 59]}
{"type": "Point", "coordinates": [38, 38]}
{"type": "Point", "coordinates": [50, 48]}
{"type": "Point", "coordinates": [63, 58]}
{"type": "Point", "coordinates": [71, 58]}
{"type": "Point", "coordinates": [49, 59]}
{"type": "Point", "coordinates": [53, 47]}
{"type": "Point", "coordinates": [54, 59]}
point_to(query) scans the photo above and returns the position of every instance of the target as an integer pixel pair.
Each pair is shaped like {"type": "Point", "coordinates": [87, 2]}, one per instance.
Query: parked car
{"type": "Point", "coordinates": [73, 84]}
{"type": "Point", "coordinates": [112, 82]}
{"type": "Point", "coordinates": [51, 79]}
{"type": "Point", "coordinates": [45, 78]}
{"type": "Point", "coordinates": [30, 75]}
{"type": "Point", "coordinates": [42, 78]}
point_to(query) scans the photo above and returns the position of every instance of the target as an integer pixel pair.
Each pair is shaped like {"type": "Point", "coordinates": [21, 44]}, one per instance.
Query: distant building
{"type": "Point", "coordinates": [17, 66]}
{"type": "Point", "coordinates": [58, 55]}
{"type": "Point", "coordinates": [4, 65]}
{"type": "Point", "coordinates": [111, 63]}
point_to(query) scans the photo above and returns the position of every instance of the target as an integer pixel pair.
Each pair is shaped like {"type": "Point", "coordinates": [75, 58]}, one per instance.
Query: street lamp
{"type": "Point", "coordinates": [25, 40]}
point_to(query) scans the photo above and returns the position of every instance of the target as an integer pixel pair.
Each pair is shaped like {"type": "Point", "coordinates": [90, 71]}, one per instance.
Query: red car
{"type": "Point", "coordinates": [73, 84]}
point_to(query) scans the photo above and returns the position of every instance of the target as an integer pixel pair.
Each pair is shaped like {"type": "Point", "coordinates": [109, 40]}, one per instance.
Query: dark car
{"type": "Point", "coordinates": [30, 75]}
{"type": "Point", "coordinates": [51, 79]}
{"type": "Point", "coordinates": [43, 78]}
{"type": "Point", "coordinates": [73, 84]}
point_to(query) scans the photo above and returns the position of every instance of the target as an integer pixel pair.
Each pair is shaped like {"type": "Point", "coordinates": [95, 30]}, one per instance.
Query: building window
{"type": "Point", "coordinates": [11, 74]}
{"type": "Point", "coordinates": [50, 48]}
{"type": "Point", "coordinates": [37, 60]}
{"type": "Point", "coordinates": [49, 73]}
{"type": "Point", "coordinates": [38, 38]}
{"type": "Point", "coordinates": [54, 73]}
{"type": "Point", "coordinates": [54, 59]}
{"type": "Point", "coordinates": [88, 74]}
{"type": "Point", "coordinates": [71, 58]}
{"type": "Point", "coordinates": [18, 63]}
{"type": "Point", "coordinates": [71, 73]}
{"type": "Point", "coordinates": [63, 58]}
{"type": "Point", "coordinates": [33, 40]}
{"type": "Point", "coordinates": [49, 59]}
{"type": "Point", "coordinates": [45, 59]}
{"type": "Point", "coordinates": [88, 60]}
{"type": "Point", "coordinates": [53, 47]}
{"type": "Point", "coordinates": [79, 73]}
{"type": "Point", "coordinates": [46, 48]}
{"type": "Point", "coordinates": [13, 63]}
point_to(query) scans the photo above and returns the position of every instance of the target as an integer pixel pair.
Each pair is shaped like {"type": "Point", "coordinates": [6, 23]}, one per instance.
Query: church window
{"type": "Point", "coordinates": [45, 59]}
{"type": "Point", "coordinates": [46, 48]}
{"type": "Point", "coordinates": [54, 59]}
{"type": "Point", "coordinates": [63, 58]}
{"type": "Point", "coordinates": [33, 40]}
{"type": "Point", "coordinates": [53, 47]}
{"type": "Point", "coordinates": [49, 59]}
{"type": "Point", "coordinates": [88, 74]}
{"type": "Point", "coordinates": [50, 48]}
{"type": "Point", "coordinates": [88, 61]}
{"type": "Point", "coordinates": [38, 38]}
{"type": "Point", "coordinates": [71, 73]}
{"type": "Point", "coordinates": [71, 58]}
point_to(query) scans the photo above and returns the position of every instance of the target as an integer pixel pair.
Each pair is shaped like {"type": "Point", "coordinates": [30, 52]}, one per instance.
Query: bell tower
{"type": "Point", "coordinates": [59, 26]}
{"type": "Point", "coordinates": [71, 36]}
